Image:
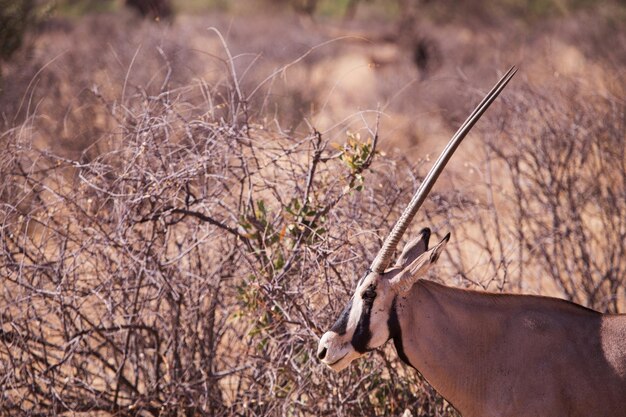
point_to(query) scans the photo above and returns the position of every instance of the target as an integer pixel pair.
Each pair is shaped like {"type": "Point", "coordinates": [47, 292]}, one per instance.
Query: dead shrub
{"type": "Point", "coordinates": [187, 261]}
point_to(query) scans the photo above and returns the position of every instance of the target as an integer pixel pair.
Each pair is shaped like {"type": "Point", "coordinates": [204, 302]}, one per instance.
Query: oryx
{"type": "Point", "coordinates": [487, 354]}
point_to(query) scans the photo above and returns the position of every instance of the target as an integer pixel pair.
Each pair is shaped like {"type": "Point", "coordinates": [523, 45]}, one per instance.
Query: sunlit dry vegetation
{"type": "Point", "coordinates": [186, 205]}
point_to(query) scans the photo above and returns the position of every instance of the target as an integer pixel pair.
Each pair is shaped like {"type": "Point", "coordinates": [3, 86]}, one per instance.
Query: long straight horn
{"type": "Point", "coordinates": [383, 259]}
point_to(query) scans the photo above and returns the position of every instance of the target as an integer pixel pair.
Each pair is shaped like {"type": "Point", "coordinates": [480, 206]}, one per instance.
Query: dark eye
{"type": "Point", "coordinates": [369, 294]}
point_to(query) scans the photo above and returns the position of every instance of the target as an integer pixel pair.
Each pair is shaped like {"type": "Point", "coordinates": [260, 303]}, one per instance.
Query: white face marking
{"type": "Point", "coordinates": [366, 327]}
{"type": "Point", "coordinates": [364, 323]}
{"type": "Point", "coordinates": [357, 304]}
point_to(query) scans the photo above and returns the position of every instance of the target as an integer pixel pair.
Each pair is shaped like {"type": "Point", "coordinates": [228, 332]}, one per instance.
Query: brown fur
{"type": "Point", "coordinates": [515, 355]}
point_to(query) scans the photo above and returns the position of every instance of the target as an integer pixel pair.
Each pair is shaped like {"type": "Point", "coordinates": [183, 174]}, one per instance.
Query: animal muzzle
{"type": "Point", "coordinates": [334, 352]}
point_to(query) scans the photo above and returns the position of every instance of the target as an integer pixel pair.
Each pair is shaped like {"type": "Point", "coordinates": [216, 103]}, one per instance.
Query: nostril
{"type": "Point", "coordinates": [322, 353]}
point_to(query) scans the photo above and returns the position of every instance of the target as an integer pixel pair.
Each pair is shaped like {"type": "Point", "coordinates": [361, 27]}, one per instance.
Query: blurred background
{"type": "Point", "coordinates": [189, 189]}
{"type": "Point", "coordinates": [418, 61]}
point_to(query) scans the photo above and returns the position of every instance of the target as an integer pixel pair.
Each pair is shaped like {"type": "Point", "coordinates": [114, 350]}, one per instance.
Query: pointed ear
{"type": "Point", "coordinates": [414, 248]}
{"type": "Point", "coordinates": [436, 251]}
{"type": "Point", "coordinates": [404, 280]}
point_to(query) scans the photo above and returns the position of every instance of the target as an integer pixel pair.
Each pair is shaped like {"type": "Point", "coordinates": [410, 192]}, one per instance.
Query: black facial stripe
{"type": "Point", "coordinates": [425, 232]}
{"type": "Point", "coordinates": [342, 322]}
{"type": "Point", "coordinates": [369, 294]}
{"type": "Point", "coordinates": [395, 333]}
{"type": "Point", "coordinates": [362, 333]}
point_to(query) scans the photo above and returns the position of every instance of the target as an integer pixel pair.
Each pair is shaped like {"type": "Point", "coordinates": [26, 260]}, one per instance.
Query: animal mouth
{"type": "Point", "coordinates": [336, 362]}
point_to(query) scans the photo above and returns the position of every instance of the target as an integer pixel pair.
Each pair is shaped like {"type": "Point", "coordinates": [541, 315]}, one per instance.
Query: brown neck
{"type": "Point", "coordinates": [461, 340]}
{"type": "Point", "coordinates": [438, 332]}
{"type": "Point", "coordinates": [485, 352]}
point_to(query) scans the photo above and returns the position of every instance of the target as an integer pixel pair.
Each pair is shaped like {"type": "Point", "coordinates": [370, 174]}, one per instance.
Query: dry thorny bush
{"type": "Point", "coordinates": [187, 260]}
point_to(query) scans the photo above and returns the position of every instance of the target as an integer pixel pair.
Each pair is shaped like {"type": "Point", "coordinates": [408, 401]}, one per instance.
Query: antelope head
{"type": "Point", "coordinates": [364, 324]}
{"type": "Point", "coordinates": [367, 322]}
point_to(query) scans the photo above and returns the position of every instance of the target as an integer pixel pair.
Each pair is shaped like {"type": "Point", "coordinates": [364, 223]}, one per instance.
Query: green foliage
{"type": "Point", "coordinates": [196, 6]}
{"type": "Point", "coordinates": [356, 155]}
{"type": "Point", "coordinates": [259, 226]}
{"type": "Point", "coordinates": [304, 219]}
{"type": "Point", "coordinates": [333, 8]}
{"type": "Point", "coordinates": [74, 9]}
{"type": "Point", "coordinates": [529, 11]}
{"type": "Point", "coordinates": [16, 18]}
